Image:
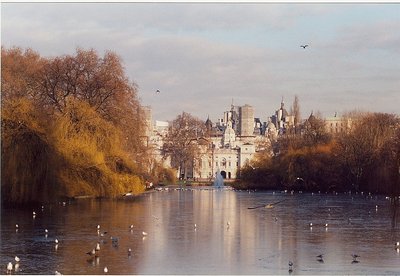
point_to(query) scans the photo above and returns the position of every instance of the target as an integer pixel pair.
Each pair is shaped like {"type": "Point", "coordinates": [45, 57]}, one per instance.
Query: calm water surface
{"type": "Point", "coordinates": [256, 241]}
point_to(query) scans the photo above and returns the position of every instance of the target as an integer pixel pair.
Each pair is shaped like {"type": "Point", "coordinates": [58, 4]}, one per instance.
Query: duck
{"type": "Point", "coordinates": [290, 266]}
{"type": "Point", "coordinates": [92, 252]}
{"type": "Point", "coordinates": [355, 256]}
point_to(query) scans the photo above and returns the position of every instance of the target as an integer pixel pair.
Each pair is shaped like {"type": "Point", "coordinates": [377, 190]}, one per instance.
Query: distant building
{"type": "Point", "coordinates": [232, 142]}
{"type": "Point", "coordinates": [246, 120]}
{"type": "Point", "coordinates": [336, 125]}
{"type": "Point", "coordinates": [225, 151]}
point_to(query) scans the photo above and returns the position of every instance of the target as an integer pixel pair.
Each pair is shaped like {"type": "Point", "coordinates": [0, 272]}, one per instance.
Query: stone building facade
{"type": "Point", "coordinates": [232, 142]}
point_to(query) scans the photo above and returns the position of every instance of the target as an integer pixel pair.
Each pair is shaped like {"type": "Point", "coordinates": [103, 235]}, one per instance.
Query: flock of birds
{"type": "Point", "coordinates": [320, 259]}
{"type": "Point", "coordinates": [94, 253]}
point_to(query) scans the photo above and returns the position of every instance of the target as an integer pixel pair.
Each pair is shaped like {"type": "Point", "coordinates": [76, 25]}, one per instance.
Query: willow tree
{"type": "Point", "coordinates": [91, 99]}
{"type": "Point", "coordinates": [181, 143]}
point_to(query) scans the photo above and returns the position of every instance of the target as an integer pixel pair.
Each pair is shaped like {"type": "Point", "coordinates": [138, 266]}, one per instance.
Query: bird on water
{"type": "Point", "coordinates": [9, 267]}
{"type": "Point", "coordinates": [355, 256]}
{"type": "Point", "coordinates": [290, 266]}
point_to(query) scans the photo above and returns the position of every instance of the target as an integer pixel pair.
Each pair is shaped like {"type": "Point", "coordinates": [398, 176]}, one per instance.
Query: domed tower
{"type": "Point", "coordinates": [229, 135]}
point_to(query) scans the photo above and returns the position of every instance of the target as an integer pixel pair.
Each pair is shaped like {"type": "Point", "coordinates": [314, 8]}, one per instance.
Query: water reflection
{"type": "Point", "coordinates": [228, 237]}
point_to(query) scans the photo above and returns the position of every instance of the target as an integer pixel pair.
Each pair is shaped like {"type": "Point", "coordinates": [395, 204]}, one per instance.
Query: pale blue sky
{"type": "Point", "coordinates": [203, 55]}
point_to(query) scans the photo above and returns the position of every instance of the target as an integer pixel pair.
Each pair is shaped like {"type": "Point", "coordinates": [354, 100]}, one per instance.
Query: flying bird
{"type": "Point", "coordinates": [158, 91]}
{"type": "Point", "coordinates": [304, 46]}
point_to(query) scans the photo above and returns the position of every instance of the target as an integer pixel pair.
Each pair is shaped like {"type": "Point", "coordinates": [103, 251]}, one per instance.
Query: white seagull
{"type": "Point", "coordinates": [9, 267]}
{"type": "Point", "coordinates": [17, 259]}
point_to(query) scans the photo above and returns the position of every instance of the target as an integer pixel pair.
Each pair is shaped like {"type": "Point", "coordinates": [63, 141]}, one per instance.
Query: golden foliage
{"type": "Point", "coordinates": [91, 147]}
{"type": "Point", "coordinates": [70, 127]}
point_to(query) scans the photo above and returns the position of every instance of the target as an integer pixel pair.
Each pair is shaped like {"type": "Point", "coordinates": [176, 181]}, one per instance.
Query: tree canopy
{"type": "Point", "coordinates": [71, 125]}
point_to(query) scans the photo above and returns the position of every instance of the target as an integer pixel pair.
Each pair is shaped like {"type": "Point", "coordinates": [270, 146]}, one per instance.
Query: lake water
{"type": "Point", "coordinates": [228, 238]}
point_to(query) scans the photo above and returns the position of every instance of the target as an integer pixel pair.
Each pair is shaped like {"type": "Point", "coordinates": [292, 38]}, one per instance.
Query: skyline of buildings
{"type": "Point", "coordinates": [232, 141]}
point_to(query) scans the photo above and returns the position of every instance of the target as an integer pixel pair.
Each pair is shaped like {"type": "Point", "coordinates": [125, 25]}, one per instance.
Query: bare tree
{"type": "Point", "coordinates": [182, 141]}
{"type": "Point", "coordinates": [296, 111]}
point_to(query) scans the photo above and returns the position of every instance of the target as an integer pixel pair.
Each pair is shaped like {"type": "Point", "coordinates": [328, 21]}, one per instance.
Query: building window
{"type": "Point", "coordinates": [229, 163]}
{"type": "Point", "coordinates": [237, 164]}
{"type": "Point", "coordinates": [223, 163]}
{"type": "Point", "coordinates": [216, 163]}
